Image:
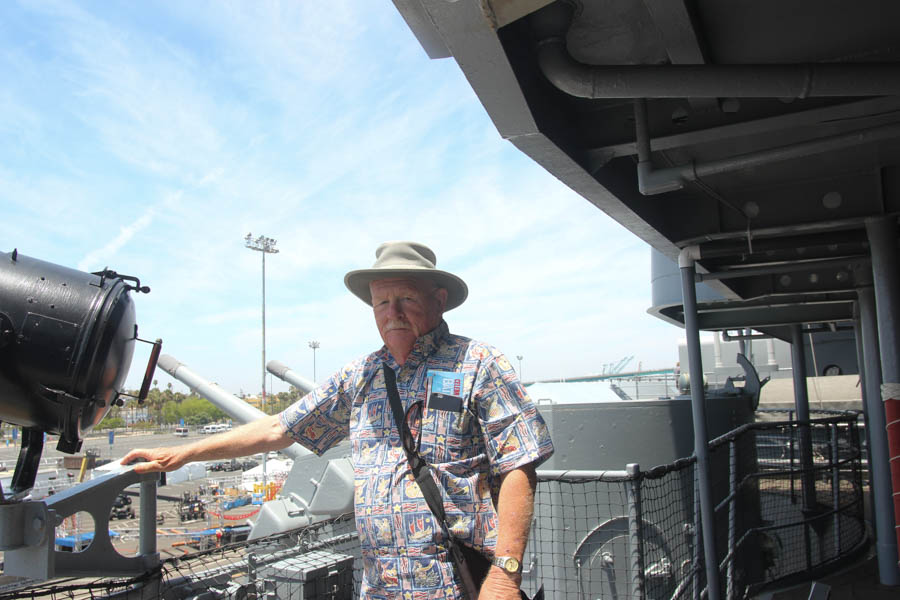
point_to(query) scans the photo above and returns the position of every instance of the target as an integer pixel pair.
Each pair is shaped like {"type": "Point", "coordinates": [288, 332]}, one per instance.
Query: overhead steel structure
{"type": "Point", "coordinates": [756, 143]}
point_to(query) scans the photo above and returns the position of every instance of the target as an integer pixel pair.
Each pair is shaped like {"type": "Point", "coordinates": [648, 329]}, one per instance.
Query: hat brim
{"type": "Point", "coordinates": [358, 282]}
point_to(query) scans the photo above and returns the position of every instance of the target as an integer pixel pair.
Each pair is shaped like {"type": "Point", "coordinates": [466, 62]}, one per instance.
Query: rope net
{"type": "Point", "coordinates": [789, 506]}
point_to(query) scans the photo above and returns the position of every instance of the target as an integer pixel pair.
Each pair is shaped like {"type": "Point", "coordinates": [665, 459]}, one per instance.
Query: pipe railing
{"type": "Point", "coordinates": [831, 533]}
{"type": "Point", "coordinates": [633, 533]}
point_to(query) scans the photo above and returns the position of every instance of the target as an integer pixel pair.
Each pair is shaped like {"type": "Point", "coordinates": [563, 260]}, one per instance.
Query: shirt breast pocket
{"type": "Point", "coordinates": [449, 436]}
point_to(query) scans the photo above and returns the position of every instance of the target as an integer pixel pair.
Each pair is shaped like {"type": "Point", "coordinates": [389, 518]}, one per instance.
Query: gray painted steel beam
{"type": "Point", "coordinates": [575, 474]}
{"type": "Point", "coordinates": [882, 233]}
{"type": "Point", "coordinates": [471, 38]}
{"type": "Point", "coordinates": [860, 112]}
{"type": "Point", "coordinates": [657, 181]}
{"type": "Point", "coordinates": [767, 316]}
{"type": "Point", "coordinates": [674, 22]}
{"type": "Point", "coordinates": [683, 43]}
{"type": "Point", "coordinates": [861, 365]}
{"type": "Point", "coordinates": [635, 532]}
{"type": "Point", "coordinates": [147, 523]}
{"type": "Point", "coordinates": [792, 267]}
{"type": "Point", "coordinates": [39, 559]}
{"type": "Point", "coordinates": [701, 435]}
{"type": "Point", "coordinates": [801, 405]}
{"type": "Point", "coordinates": [420, 24]}
{"type": "Point", "coordinates": [730, 243]}
{"type": "Point", "coordinates": [879, 457]}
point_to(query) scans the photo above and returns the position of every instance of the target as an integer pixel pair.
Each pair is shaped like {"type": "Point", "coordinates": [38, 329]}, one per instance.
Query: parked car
{"type": "Point", "coordinates": [224, 465]}
{"type": "Point", "coordinates": [121, 508]}
{"type": "Point", "coordinates": [215, 428]}
{"type": "Point", "coordinates": [248, 464]}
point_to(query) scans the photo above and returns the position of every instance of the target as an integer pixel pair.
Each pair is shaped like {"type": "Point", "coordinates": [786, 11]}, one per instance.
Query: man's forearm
{"type": "Point", "coordinates": [263, 435]}
{"type": "Point", "coordinates": [515, 507]}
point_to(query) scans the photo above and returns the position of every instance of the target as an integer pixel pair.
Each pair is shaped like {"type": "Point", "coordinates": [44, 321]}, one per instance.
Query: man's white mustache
{"type": "Point", "coordinates": [392, 325]}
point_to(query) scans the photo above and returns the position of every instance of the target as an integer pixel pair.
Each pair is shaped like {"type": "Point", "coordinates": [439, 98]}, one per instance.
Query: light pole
{"type": "Point", "coordinates": [520, 357]}
{"type": "Point", "coordinates": [314, 345]}
{"type": "Point", "coordinates": [264, 245]}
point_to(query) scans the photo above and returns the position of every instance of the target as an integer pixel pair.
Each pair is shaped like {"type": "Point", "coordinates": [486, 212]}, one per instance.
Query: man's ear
{"type": "Point", "coordinates": [441, 295]}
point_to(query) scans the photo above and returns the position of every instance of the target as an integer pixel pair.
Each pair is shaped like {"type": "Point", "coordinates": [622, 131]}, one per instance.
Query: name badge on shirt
{"type": "Point", "coordinates": [446, 391]}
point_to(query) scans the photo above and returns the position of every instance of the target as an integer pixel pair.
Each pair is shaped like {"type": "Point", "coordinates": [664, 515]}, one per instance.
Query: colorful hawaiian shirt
{"type": "Point", "coordinates": [470, 445]}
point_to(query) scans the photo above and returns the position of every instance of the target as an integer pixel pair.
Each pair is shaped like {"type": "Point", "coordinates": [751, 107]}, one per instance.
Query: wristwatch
{"type": "Point", "coordinates": [508, 563]}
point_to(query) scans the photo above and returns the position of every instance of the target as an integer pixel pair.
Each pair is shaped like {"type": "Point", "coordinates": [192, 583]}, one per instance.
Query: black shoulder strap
{"type": "Point", "coordinates": [420, 469]}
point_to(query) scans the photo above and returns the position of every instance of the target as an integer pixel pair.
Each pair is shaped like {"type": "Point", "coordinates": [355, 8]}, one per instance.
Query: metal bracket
{"type": "Point", "coordinates": [29, 460]}
{"type": "Point", "coordinates": [752, 383]}
{"type": "Point", "coordinates": [27, 531]}
{"type": "Point", "coordinates": [109, 273]}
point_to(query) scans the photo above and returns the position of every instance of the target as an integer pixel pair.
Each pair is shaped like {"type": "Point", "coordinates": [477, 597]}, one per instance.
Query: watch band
{"type": "Point", "coordinates": [510, 564]}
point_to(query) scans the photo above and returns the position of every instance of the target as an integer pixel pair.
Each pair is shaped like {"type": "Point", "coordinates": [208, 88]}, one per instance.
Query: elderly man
{"type": "Point", "coordinates": [471, 419]}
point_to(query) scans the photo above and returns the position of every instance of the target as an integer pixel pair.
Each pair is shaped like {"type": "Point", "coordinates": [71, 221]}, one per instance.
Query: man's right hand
{"type": "Point", "coordinates": [262, 435]}
{"type": "Point", "coordinates": [156, 459]}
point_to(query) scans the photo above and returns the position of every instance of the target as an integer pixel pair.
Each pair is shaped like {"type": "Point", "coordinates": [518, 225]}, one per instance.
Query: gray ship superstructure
{"type": "Point", "coordinates": [755, 147]}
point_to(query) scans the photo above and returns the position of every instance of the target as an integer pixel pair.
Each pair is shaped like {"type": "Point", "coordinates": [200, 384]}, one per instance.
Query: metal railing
{"type": "Point", "coordinates": [635, 534]}
{"type": "Point", "coordinates": [616, 535]}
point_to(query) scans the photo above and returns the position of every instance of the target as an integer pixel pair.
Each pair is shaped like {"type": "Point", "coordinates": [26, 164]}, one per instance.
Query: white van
{"type": "Point", "coordinates": [181, 431]}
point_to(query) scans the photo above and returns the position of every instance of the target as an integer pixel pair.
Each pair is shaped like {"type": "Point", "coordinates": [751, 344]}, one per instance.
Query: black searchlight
{"type": "Point", "coordinates": [66, 343]}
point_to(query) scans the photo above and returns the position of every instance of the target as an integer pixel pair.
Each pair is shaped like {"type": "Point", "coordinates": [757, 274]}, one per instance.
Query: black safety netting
{"type": "Point", "coordinates": [782, 514]}
{"type": "Point", "coordinates": [788, 499]}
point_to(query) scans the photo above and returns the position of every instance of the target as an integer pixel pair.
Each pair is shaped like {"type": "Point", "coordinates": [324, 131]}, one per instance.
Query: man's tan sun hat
{"type": "Point", "coordinates": [394, 260]}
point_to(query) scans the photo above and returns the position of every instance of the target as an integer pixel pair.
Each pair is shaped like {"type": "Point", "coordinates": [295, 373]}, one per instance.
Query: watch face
{"type": "Point", "coordinates": [512, 565]}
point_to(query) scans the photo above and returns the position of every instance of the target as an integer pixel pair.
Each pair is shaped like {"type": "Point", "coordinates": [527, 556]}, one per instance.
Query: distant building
{"type": "Point", "coordinates": [135, 415]}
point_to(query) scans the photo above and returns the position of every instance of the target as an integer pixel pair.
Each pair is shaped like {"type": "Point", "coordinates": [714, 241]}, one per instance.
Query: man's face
{"type": "Point", "coordinates": [404, 310]}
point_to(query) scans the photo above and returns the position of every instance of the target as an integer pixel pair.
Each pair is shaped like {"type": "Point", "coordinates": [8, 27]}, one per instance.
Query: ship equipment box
{"type": "Point", "coordinates": [316, 575]}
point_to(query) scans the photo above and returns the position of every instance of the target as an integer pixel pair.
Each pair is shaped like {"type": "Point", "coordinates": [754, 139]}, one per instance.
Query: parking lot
{"type": "Point", "coordinates": [182, 509]}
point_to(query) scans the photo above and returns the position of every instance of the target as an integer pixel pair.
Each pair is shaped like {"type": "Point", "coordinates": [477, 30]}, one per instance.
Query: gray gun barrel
{"type": "Point", "coordinates": [237, 408]}
{"type": "Point", "coordinates": [284, 373]}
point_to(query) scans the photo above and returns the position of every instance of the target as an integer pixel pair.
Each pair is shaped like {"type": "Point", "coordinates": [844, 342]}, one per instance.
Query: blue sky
{"type": "Point", "coordinates": [151, 137]}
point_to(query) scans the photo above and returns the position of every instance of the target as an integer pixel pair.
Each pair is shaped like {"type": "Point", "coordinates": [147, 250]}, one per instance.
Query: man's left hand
{"type": "Point", "coordinates": [500, 585]}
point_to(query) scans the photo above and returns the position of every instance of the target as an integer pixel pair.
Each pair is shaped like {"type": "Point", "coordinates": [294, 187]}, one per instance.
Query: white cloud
{"type": "Point", "coordinates": [126, 233]}
{"type": "Point", "coordinates": [155, 138]}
